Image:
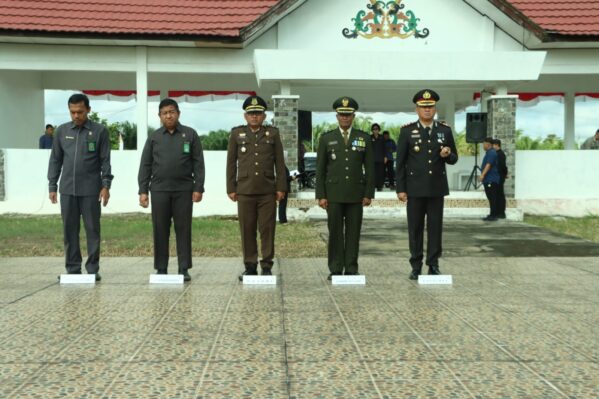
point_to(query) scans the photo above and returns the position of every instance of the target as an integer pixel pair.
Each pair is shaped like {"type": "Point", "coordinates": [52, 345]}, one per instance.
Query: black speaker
{"type": "Point", "coordinates": [476, 127]}
{"type": "Point", "coordinates": [304, 125]}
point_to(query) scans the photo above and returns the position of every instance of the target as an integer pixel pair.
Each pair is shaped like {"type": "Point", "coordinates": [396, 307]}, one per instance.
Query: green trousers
{"type": "Point", "coordinates": [345, 223]}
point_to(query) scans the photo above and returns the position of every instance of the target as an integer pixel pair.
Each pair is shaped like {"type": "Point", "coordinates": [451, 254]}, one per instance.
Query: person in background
{"type": "Point", "coordinates": [378, 148]}
{"type": "Point", "coordinates": [490, 178]}
{"type": "Point", "coordinates": [503, 172]}
{"type": "Point", "coordinates": [45, 142]}
{"type": "Point", "coordinates": [390, 149]}
{"type": "Point", "coordinates": [592, 143]}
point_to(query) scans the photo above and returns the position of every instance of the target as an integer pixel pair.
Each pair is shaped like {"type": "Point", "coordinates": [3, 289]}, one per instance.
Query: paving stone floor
{"type": "Point", "coordinates": [507, 328]}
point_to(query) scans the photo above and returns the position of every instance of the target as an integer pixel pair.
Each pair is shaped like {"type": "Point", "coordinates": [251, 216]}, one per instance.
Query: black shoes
{"type": "Point", "coordinates": [502, 216]}
{"type": "Point", "coordinates": [330, 278]}
{"type": "Point", "coordinates": [186, 276]}
{"type": "Point", "coordinates": [489, 219]}
{"type": "Point", "coordinates": [434, 270]}
{"type": "Point", "coordinates": [248, 273]}
{"type": "Point", "coordinates": [266, 272]}
{"type": "Point", "coordinates": [98, 277]}
{"type": "Point", "coordinates": [161, 272]}
{"type": "Point", "coordinates": [352, 274]}
{"type": "Point", "coordinates": [414, 274]}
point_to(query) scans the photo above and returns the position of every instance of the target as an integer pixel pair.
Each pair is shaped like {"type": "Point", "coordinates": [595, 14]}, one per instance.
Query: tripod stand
{"type": "Point", "coordinates": [473, 179]}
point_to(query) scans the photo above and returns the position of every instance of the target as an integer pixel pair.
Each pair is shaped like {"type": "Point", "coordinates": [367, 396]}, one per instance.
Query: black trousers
{"type": "Point", "coordinates": [345, 223]}
{"type": "Point", "coordinates": [379, 175]}
{"type": "Point", "coordinates": [283, 209]}
{"type": "Point", "coordinates": [492, 190]}
{"type": "Point", "coordinates": [73, 209]}
{"type": "Point", "coordinates": [501, 198]}
{"type": "Point", "coordinates": [178, 207]}
{"type": "Point", "coordinates": [418, 209]}
{"type": "Point", "coordinates": [390, 172]}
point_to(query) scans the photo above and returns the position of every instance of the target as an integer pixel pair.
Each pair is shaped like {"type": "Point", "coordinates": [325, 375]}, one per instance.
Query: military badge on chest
{"type": "Point", "coordinates": [358, 144]}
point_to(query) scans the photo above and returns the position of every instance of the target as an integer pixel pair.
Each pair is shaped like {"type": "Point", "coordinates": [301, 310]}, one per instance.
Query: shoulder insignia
{"type": "Point", "coordinates": [409, 124]}
{"type": "Point", "coordinates": [444, 123]}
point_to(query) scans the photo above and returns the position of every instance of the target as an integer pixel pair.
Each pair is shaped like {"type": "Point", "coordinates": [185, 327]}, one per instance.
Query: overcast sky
{"type": "Point", "coordinates": [547, 117]}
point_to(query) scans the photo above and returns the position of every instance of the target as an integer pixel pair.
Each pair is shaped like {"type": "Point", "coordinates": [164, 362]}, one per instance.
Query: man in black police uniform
{"type": "Point", "coordinates": [81, 154]}
{"type": "Point", "coordinates": [423, 149]}
{"type": "Point", "coordinates": [344, 185]}
{"type": "Point", "coordinates": [172, 168]}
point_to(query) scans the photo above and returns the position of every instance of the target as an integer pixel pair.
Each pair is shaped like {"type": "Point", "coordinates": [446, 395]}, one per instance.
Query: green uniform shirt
{"type": "Point", "coordinates": [345, 173]}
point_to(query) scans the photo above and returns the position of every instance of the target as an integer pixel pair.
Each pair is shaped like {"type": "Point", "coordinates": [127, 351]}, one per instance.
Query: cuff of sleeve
{"type": "Point", "coordinates": [106, 184]}
{"type": "Point", "coordinates": [52, 189]}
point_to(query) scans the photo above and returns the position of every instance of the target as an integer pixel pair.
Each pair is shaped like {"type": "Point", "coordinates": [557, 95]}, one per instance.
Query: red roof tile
{"type": "Point", "coordinates": [133, 17]}
{"type": "Point", "coordinates": [562, 17]}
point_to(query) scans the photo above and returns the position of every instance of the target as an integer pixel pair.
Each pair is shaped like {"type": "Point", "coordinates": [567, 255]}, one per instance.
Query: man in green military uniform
{"type": "Point", "coordinates": [344, 185]}
{"type": "Point", "coordinates": [423, 149]}
{"type": "Point", "coordinates": [256, 179]}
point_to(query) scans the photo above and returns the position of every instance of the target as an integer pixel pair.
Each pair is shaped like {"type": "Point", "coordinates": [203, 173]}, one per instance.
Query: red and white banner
{"type": "Point", "coordinates": [180, 96]}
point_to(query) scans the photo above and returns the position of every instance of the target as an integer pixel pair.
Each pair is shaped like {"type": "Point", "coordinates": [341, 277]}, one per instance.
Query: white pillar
{"type": "Point", "coordinates": [569, 117]}
{"type": "Point", "coordinates": [22, 109]}
{"type": "Point", "coordinates": [448, 109]}
{"type": "Point", "coordinates": [142, 97]}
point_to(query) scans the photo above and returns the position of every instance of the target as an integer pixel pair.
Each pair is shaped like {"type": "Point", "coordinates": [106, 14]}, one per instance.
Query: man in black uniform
{"type": "Point", "coordinates": [423, 149]}
{"type": "Point", "coordinates": [81, 153]}
{"type": "Point", "coordinates": [172, 168]}
{"type": "Point", "coordinates": [503, 171]}
{"type": "Point", "coordinates": [344, 186]}
{"type": "Point", "coordinates": [378, 147]}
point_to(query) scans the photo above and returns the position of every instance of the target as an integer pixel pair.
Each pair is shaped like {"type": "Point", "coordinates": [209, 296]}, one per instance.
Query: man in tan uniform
{"type": "Point", "coordinates": [256, 179]}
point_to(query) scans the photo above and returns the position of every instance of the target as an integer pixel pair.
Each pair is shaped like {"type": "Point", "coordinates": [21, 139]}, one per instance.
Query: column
{"type": "Point", "coordinates": [447, 113]}
{"type": "Point", "coordinates": [569, 117]}
{"type": "Point", "coordinates": [286, 119]}
{"type": "Point", "coordinates": [501, 124]}
{"type": "Point", "coordinates": [2, 178]}
{"type": "Point", "coordinates": [142, 97]}
{"type": "Point", "coordinates": [22, 109]}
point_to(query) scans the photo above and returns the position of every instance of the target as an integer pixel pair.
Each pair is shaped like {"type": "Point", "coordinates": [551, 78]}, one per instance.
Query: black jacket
{"type": "Point", "coordinates": [80, 156]}
{"type": "Point", "coordinates": [420, 168]}
{"type": "Point", "coordinates": [501, 164]}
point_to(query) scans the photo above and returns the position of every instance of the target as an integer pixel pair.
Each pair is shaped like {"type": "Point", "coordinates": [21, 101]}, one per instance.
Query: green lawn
{"type": "Point", "coordinates": [131, 235]}
{"type": "Point", "coordinates": [587, 227]}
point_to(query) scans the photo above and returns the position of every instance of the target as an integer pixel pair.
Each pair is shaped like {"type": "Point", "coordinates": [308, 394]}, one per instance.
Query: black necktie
{"type": "Point", "coordinates": [428, 131]}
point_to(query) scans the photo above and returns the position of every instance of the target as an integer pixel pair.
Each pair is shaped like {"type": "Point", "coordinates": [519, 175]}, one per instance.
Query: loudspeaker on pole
{"type": "Point", "coordinates": [476, 127]}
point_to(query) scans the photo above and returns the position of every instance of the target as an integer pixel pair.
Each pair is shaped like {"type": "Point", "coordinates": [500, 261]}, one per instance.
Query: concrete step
{"type": "Point", "coordinates": [458, 205]}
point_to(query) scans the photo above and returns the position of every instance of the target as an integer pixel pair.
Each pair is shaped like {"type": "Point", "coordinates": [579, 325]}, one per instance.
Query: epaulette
{"type": "Point", "coordinates": [237, 128]}
{"type": "Point", "coordinates": [444, 123]}
{"type": "Point", "coordinates": [409, 124]}
{"type": "Point", "coordinates": [273, 129]}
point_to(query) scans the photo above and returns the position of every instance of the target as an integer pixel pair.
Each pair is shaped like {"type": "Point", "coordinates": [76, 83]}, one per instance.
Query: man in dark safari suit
{"type": "Point", "coordinates": [423, 149]}
{"type": "Point", "coordinates": [344, 185]}
{"type": "Point", "coordinates": [256, 180]}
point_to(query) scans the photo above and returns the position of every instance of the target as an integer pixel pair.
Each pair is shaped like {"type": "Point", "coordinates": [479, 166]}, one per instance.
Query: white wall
{"type": "Point", "coordinates": [453, 25]}
{"type": "Point", "coordinates": [27, 184]}
{"type": "Point", "coordinates": [548, 182]}
{"type": "Point", "coordinates": [21, 109]}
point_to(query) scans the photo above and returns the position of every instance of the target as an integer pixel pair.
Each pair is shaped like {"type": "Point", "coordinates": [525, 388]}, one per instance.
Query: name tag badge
{"type": "Point", "coordinates": [186, 147]}
{"type": "Point", "coordinates": [91, 146]}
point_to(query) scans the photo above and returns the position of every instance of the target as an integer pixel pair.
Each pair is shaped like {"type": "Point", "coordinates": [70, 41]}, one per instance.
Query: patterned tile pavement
{"type": "Point", "coordinates": [507, 328]}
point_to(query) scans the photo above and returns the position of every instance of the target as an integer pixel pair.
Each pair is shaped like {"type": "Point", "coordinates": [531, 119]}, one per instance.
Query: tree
{"type": "Point", "coordinates": [127, 129]}
{"type": "Point", "coordinates": [215, 140]}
